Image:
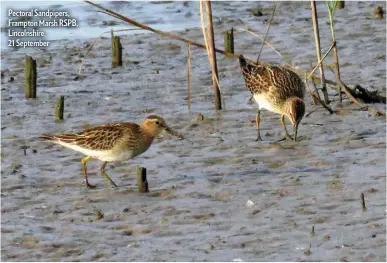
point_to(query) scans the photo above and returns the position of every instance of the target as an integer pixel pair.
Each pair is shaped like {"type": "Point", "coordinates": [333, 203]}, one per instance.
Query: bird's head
{"type": "Point", "coordinates": [296, 111]}
{"type": "Point", "coordinates": [153, 125]}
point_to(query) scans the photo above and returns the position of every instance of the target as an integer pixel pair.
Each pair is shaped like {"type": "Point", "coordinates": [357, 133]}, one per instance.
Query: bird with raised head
{"type": "Point", "coordinates": [113, 142]}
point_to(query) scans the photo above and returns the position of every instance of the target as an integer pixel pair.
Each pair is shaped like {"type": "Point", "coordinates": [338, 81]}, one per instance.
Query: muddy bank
{"type": "Point", "coordinates": [218, 195]}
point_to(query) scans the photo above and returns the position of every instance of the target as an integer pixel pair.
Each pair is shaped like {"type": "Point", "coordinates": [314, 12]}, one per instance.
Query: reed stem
{"type": "Point", "coordinates": [212, 57]}
{"type": "Point", "coordinates": [267, 30]}
{"type": "Point", "coordinates": [318, 49]}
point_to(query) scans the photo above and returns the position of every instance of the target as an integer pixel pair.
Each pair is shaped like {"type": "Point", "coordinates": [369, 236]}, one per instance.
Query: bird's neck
{"type": "Point", "coordinates": [289, 103]}
{"type": "Point", "coordinates": [148, 131]}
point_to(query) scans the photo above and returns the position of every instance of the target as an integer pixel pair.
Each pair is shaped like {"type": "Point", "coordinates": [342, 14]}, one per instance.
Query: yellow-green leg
{"type": "Point", "coordinates": [250, 101]}
{"type": "Point", "coordinates": [84, 169]}
{"type": "Point", "coordinates": [287, 135]}
{"type": "Point", "coordinates": [105, 174]}
{"type": "Point", "coordinates": [258, 123]}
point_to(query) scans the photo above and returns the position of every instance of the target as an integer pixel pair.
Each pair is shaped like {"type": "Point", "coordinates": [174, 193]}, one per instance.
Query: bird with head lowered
{"type": "Point", "coordinates": [275, 89]}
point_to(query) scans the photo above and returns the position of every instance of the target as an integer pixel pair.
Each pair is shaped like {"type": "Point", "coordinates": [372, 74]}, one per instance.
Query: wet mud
{"type": "Point", "coordinates": [218, 195]}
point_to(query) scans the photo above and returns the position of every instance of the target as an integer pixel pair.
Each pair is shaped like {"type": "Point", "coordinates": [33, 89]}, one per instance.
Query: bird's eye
{"type": "Point", "coordinates": [157, 122]}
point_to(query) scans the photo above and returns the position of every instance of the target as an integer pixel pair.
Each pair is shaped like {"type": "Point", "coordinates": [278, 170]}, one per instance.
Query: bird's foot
{"type": "Point", "coordinates": [90, 186]}
{"type": "Point", "coordinates": [259, 139]}
{"type": "Point", "coordinates": [113, 184]}
{"type": "Point", "coordinates": [250, 101]}
{"type": "Point", "coordinates": [287, 137]}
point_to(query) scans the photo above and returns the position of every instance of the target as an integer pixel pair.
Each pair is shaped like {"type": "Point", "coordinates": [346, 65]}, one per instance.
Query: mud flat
{"type": "Point", "coordinates": [218, 195]}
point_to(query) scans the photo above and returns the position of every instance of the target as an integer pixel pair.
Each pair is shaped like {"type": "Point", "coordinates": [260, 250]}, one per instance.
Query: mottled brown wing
{"type": "Point", "coordinates": [280, 82]}
{"type": "Point", "coordinates": [103, 137]}
{"type": "Point", "coordinates": [286, 83]}
{"type": "Point", "coordinates": [256, 76]}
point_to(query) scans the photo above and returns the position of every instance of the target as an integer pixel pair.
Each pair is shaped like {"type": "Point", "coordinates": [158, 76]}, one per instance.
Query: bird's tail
{"type": "Point", "coordinates": [47, 137]}
{"type": "Point", "coordinates": [242, 61]}
{"type": "Point", "coordinates": [65, 138]}
{"type": "Point", "coordinates": [245, 66]}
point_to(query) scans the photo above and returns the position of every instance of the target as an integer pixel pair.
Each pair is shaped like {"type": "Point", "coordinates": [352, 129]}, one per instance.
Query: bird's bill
{"type": "Point", "coordinates": [295, 128]}
{"type": "Point", "coordinates": [174, 133]}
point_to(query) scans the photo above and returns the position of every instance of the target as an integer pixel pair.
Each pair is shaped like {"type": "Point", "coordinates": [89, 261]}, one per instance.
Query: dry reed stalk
{"type": "Point", "coordinates": [337, 69]}
{"type": "Point", "coordinates": [321, 61]}
{"type": "Point", "coordinates": [193, 43]}
{"type": "Point", "coordinates": [210, 46]}
{"type": "Point", "coordinates": [215, 76]}
{"type": "Point", "coordinates": [265, 41]}
{"type": "Point", "coordinates": [314, 84]}
{"type": "Point", "coordinates": [318, 49]}
{"type": "Point", "coordinates": [316, 98]}
{"type": "Point", "coordinates": [159, 32]}
{"type": "Point", "coordinates": [189, 77]}
{"type": "Point", "coordinates": [267, 30]}
{"type": "Point", "coordinates": [311, 93]}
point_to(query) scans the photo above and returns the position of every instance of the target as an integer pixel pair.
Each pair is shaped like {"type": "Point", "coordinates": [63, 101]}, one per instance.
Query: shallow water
{"type": "Point", "coordinates": [218, 195]}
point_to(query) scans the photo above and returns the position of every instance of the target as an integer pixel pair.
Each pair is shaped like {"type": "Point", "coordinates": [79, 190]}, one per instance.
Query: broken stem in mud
{"type": "Point", "coordinates": [189, 77]}
{"type": "Point", "coordinates": [30, 77]}
{"type": "Point", "coordinates": [141, 180]}
{"type": "Point", "coordinates": [318, 49]}
{"type": "Point", "coordinates": [229, 41]}
{"type": "Point", "coordinates": [312, 233]}
{"type": "Point", "coordinates": [340, 4]}
{"type": "Point", "coordinates": [116, 51]}
{"type": "Point", "coordinates": [267, 30]}
{"type": "Point", "coordinates": [59, 108]}
{"type": "Point", "coordinates": [363, 206]}
{"type": "Point", "coordinates": [308, 252]}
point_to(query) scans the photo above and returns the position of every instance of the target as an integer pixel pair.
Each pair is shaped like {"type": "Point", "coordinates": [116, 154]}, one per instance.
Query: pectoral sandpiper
{"type": "Point", "coordinates": [275, 89]}
{"type": "Point", "coordinates": [113, 142]}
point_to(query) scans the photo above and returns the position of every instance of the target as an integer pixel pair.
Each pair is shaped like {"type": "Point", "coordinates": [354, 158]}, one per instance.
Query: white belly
{"type": "Point", "coordinates": [106, 156]}
{"type": "Point", "coordinates": [263, 103]}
